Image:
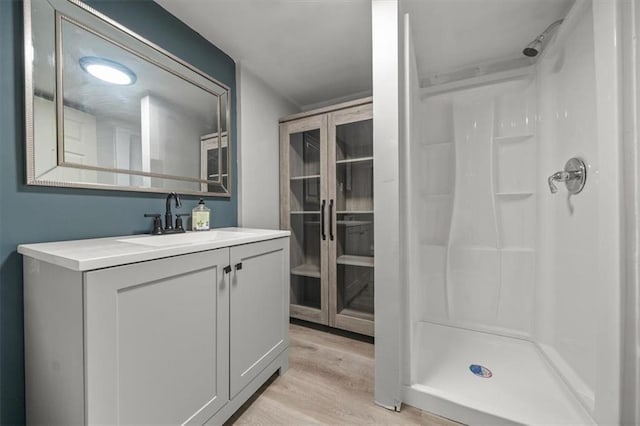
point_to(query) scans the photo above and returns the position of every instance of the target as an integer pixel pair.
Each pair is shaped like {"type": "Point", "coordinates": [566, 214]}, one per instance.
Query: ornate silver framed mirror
{"type": "Point", "coordinates": [108, 109]}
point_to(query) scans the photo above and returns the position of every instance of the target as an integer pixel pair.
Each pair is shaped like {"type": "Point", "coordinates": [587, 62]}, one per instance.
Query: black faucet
{"type": "Point", "coordinates": [168, 217]}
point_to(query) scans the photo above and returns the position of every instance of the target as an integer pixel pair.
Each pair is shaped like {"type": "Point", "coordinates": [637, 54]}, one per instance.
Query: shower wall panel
{"type": "Point", "coordinates": [432, 175]}
{"type": "Point", "coordinates": [569, 268]}
{"type": "Point", "coordinates": [473, 269]}
{"type": "Point", "coordinates": [474, 182]}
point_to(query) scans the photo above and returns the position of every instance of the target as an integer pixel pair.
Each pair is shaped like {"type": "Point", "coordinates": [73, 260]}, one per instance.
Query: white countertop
{"type": "Point", "coordinates": [97, 253]}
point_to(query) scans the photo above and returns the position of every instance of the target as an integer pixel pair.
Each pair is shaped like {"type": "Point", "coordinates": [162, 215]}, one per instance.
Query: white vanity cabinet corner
{"type": "Point", "coordinates": [185, 339]}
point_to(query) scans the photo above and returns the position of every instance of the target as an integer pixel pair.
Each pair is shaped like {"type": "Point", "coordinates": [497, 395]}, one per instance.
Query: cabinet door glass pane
{"type": "Point", "coordinates": [354, 140]}
{"type": "Point", "coordinates": [354, 186]}
{"type": "Point", "coordinates": [305, 195]}
{"type": "Point", "coordinates": [304, 154]}
{"type": "Point", "coordinates": [355, 291]}
{"type": "Point", "coordinates": [305, 291]}
{"type": "Point", "coordinates": [354, 167]}
{"type": "Point", "coordinates": [354, 219]}
{"type": "Point", "coordinates": [304, 163]}
{"type": "Point", "coordinates": [305, 259]}
{"type": "Point", "coordinates": [355, 264]}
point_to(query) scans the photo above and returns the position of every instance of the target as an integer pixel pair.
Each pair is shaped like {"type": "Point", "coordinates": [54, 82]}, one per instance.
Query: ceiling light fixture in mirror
{"type": "Point", "coordinates": [108, 70]}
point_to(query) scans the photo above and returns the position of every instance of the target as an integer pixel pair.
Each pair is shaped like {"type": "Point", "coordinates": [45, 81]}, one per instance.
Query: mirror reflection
{"type": "Point", "coordinates": [111, 111]}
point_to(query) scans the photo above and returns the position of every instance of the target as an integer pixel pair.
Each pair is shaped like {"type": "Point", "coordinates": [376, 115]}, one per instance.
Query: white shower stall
{"type": "Point", "coordinates": [511, 294]}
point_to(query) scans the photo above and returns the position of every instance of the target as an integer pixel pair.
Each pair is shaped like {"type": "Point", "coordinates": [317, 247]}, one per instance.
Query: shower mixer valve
{"type": "Point", "coordinates": [574, 176]}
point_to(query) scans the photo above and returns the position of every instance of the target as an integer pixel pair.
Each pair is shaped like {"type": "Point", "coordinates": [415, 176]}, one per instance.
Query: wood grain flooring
{"type": "Point", "coordinates": [329, 381]}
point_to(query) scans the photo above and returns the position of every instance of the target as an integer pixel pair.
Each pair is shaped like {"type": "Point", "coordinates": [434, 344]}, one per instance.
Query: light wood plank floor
{"type": "Point", "coordinates": [329, 381]}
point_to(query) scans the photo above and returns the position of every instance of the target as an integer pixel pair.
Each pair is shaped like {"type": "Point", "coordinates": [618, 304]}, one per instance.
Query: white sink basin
{"type": "Point", "coordinates": [186, 238]}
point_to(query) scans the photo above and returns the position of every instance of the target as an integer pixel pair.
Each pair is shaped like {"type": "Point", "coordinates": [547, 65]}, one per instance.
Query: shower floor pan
{"type": "Point", "coordinates": [522, 388]}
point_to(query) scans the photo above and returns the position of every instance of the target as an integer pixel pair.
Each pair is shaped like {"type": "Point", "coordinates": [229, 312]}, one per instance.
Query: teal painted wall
{"type": "Point", "coordinates": [36, 214]}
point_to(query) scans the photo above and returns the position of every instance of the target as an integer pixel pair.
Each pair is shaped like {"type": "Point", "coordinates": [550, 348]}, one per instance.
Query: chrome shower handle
{"type": "Point", "coordinates": [557, 176]}
{"type": "Point", "coordinates": [574, 176]}
{"type": "Point", "coordinates": [562, 177]}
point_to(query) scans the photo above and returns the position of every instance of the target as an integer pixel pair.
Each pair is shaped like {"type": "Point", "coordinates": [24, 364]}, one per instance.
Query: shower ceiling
{"type": "Point", "coordinates": [316, 50]}
{"type": "Point", "coordinates": [452, 35]}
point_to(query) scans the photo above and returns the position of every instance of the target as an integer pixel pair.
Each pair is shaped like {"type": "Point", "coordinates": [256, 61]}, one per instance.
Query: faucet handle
{"type": "Point", "coordinates": [157, 223]}
{"type": "Point", "coordinates": [552, 186]}
{"type": "Point", "coordinates": [557, 177]}
{"type": "Point", "coordinates": [179, 217]}
{"type": "Point", "coordinates": [574, 176]}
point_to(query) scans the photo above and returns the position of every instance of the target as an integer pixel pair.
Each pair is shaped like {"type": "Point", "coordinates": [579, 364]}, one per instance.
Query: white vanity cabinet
{"type": "Point", "coordinates": [184, 339]}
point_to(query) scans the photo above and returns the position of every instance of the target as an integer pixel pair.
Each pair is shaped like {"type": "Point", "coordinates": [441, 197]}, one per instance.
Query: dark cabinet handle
{"type": "Point", "coordinates": [331, 220]}
{"type": "Point", "coordinates": [238, 266]}
{"type": "Point", "coordinates": [227, 269]}
{"type": "Point", "coordinates": [322, 230]}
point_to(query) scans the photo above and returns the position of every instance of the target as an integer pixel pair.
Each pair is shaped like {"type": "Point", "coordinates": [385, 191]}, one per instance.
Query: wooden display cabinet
{"type": "Point", "coordinates": [326, 190]}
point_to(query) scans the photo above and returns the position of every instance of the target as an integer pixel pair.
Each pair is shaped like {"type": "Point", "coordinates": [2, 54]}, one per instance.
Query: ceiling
{"type": "Point", "coordinates": [309, 51]}
{"type": "Point", "coordinates": [313, 51]}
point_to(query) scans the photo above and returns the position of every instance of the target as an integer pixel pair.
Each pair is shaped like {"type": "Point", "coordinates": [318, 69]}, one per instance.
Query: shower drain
{"type": "Point", "coordinates": [480, 371]}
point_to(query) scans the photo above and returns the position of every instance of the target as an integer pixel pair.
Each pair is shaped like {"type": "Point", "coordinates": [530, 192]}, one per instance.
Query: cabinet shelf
{"type": "Point", "coordinates": [353, 222]}
{"type": "Point", "coordinates": [306, 177]}
{"type": "Point", "coordinates": [366, 261]}
{"type": "Point", "coordinates": [354, 160]}
{"type": "Point", "coordinates": [354, 212]}
{"type": "Point", "coordinates": [304, 212]}
{"type": "Point", "coordinates": [307, 270]}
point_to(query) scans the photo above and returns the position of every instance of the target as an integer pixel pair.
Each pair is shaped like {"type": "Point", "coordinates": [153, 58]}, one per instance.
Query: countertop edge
{"type": "Point", "coordinates": [46, 252]}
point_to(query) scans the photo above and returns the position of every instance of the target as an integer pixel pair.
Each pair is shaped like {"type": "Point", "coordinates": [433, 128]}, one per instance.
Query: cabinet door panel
{"type": "Point", "coordinates": [304, 206]}
{"type": "Point", "coordinates": [157, 340]}
{"type": "Point", "coordinates": [351, 253]}
{"type": "Point", "coordinates": [259, 308]}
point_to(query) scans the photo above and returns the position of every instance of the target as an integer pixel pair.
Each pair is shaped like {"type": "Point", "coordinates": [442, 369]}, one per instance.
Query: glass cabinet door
{"type": "Point", "coordinates": [351, 195]}
{"type": "Point", "coordinates": [303, 191]}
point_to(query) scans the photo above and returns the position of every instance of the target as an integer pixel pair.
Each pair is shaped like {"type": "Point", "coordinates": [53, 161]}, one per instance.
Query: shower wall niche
{"type": "Point", "coordinates": [476, 213]}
